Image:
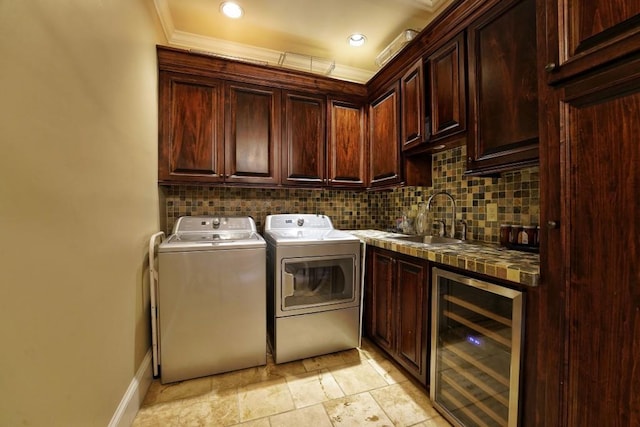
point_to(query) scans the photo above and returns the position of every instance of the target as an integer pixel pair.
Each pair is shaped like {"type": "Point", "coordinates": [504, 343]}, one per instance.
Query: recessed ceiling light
{"type": "Point", "coordinates": [231, 9]}
{"type": "Point", "coordinates": [357, 39]}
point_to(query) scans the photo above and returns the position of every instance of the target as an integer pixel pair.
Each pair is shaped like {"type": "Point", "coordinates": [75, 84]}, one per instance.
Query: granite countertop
{"type": "Point", "coordinates": [491, 260]}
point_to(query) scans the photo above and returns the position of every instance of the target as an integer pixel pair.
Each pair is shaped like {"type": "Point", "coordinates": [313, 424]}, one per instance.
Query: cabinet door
{"type": "Point", "coordinates": [412, 112]}
{"type": "Point", "coordinates": [599, 125]}
{"type": "Point", "coordinates": [382, 279]}
{"type": "Point", "coordinates": [346, 148]}
{"type": "Point", "coordinates": [191, 129]}
{"type": "Point", "coordinates": [593, 33]}
{"type": "Point", "coordinates": [384, 150]}
{"type": "Point", "coordinates": [252, 134]}
{"type": "Point", "coordinates": [303, 149]}
{"type": "Point", "coordinates": [412, 307]}
{"type": "Point", "coordinates": [503, 89]}
{"type": "Point", "coordinates": [448, 90]}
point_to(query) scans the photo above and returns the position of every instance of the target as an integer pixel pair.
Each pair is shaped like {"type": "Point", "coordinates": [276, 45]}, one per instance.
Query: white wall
{"type": "Point", "coordinates": [78, 202]}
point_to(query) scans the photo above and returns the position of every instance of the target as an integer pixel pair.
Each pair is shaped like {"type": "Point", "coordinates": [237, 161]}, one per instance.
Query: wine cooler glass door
{"type": "Point", "coordinates": [475, 360]}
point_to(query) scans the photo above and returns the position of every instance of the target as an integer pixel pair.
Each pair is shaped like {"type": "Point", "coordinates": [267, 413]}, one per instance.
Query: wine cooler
{"type": "Point", "coordinates": [475, 350]}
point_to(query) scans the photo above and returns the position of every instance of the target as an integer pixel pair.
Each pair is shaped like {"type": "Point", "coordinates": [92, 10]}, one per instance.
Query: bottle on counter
{"type": "Point", "coordinates": [514, 235]}
{"type": "Point", "coordinates": [505, 233]}
{"type": "Point", "coordinates": [421, 219]}
{"type": "Point", "coordinates": [528, 235]}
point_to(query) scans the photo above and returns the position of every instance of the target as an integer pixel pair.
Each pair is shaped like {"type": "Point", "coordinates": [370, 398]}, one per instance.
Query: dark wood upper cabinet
{"type": "Point", "coordinates": [503, 92]}
{"type": "Point", "coordinates": [215, 132]}
{"type": "Point", "coordinates": [191, 135]}
{"type": "Point", "coordinates": [303, 145]}
{"type": "Point", "coordinates": [593, 33]}
{"type": "Point", "coordinates": [252, 135]}
{"type": "Point", "coordinates": [347, 144]}
{"type": "Point", "coordinates": [384, 147]}
{"type": "Point", "coordinates": [231, 122]}
{"type": "Point", "coordinates": [412, 112]}
{"type": "Point", "coordinates": [447, 92]}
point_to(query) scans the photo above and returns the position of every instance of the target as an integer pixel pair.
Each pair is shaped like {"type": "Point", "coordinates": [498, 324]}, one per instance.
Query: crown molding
{"type": "Point", "coordinates": [239, 51]}
{"type": "Point", "coordinates": [428, 5]}
{"type": "Point", "coordinates": [164, 14]}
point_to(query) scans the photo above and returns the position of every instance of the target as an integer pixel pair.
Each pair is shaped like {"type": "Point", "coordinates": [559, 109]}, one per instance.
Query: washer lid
{"type": "Point", "coordinates": [192, 233]}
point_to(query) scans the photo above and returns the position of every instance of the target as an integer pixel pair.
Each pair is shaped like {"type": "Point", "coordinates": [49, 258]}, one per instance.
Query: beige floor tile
{"type": "Point", "coordinates": [272, 371]}
{"type": "Point", "coordinates": [357, 410]}
{"type": "Point", "coordinates": [437, 421]}
{"type": "Point", "coordinates": [165, 393]}
{"type": "Point", "coordinates": [354, 379]}
{"type": "Point", "coordinates": [236, 379]}
{"type": "Point", "coordinates": [324, 361]}
{"type": "Point", "coordinates": [315, 416]}
{"type": "Point", "coordinates": [262, 422]}
{"type": "Point", "coordinates": [244, 377]}
{"type": "Point", "coordinates": [404, 403]}
{"type": "Point", "coordinates": [370, 351]}
{"type": "Point", "coordinates": [313, 387]}
{"type": "Point", "coordinates": [307, 392]}
{"type": "Point", "coordinates": [353, 356]}
{"type": "Point", "coordinates": [389, 372]}
{"type": "Point", "coordinates": [217, 409]}
{"type": "Point", "coordinates": [263, 399]}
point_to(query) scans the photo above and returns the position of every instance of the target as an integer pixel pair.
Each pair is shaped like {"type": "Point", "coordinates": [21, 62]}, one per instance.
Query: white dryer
{"type": "Point", "coordinates": [314, 282]}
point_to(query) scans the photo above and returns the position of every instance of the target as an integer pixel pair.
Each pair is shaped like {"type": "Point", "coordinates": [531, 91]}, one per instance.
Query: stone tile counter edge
{"type": "Point", "coordinates": [519, 267]}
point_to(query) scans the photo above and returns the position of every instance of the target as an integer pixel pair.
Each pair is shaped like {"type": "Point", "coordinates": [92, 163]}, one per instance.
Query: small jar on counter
{"type": "Point", "coordinates": [505, 234]}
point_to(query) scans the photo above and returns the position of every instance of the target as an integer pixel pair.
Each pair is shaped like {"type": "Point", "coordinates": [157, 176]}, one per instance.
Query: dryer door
{"type": "Point", "coordinates": [317, 283]}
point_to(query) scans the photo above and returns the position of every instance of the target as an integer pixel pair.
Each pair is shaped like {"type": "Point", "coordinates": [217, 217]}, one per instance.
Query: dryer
{"type": "Point", "coordinates": [314, 286]}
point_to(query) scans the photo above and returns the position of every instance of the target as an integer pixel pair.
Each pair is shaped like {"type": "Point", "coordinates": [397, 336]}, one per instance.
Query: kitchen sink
{"type": "Point", "coordinates": [430, 240]}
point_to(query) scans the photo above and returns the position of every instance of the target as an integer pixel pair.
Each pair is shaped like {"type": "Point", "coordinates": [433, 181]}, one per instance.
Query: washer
{"type": "Point", "coordinates": [314, 286]}
{"type": "Point", "coordinates": [211, 297]}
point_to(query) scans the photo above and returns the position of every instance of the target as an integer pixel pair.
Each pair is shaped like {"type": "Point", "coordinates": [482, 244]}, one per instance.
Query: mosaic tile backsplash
{"type": "Point", "coordinates": [514, 194]}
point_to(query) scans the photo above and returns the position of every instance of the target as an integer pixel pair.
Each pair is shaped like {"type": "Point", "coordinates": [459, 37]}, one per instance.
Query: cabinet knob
{"type": "Point", "coordinates": [551, 66]}
{"type": "Point", "coordinates": [552, 224]}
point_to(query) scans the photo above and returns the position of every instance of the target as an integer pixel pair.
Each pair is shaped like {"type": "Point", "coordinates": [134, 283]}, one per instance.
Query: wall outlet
{"type": "Point", "coordinates": [492, 211]}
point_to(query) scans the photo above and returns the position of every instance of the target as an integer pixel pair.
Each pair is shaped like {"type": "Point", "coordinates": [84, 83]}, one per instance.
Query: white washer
{"type": "Point", "coordinates": [313, 278]}
{"type": "Point", "coordinates": [211, 297]}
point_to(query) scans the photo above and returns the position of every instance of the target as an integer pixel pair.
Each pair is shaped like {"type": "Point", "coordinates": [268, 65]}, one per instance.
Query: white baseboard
{"type": "Point", "coordinates": [133, 397]}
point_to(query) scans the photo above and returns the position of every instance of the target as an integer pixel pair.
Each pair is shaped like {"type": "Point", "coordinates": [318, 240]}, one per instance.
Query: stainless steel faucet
{"type": "Point", "coordinates": [453, 202]}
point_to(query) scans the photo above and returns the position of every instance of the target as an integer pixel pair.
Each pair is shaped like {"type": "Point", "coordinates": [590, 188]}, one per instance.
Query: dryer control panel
{"type": "Point", "coordinates": [289, 221]}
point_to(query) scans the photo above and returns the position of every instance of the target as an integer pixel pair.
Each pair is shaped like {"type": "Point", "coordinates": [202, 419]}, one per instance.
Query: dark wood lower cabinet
{"type": "Point", "coordinates": [379, 295]}
{"type": "Point", "coordinates": [397, 308]}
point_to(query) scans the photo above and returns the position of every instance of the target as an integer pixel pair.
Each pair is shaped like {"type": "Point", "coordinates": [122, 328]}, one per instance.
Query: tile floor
{"type": "Point", "coordinates": [358, 387]}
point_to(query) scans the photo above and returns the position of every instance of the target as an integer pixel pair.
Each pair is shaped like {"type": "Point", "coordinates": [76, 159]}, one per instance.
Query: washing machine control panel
{"type": "Point", "coordinates": [210, 223]}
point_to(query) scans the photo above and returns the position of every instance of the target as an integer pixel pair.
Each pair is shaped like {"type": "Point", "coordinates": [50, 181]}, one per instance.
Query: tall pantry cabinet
{"type": "Point", "coordinates": [589, 343]}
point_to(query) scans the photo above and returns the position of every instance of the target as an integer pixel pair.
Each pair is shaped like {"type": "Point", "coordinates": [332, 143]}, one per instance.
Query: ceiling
{"type": "Point", "coordinates": [314, 32]}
